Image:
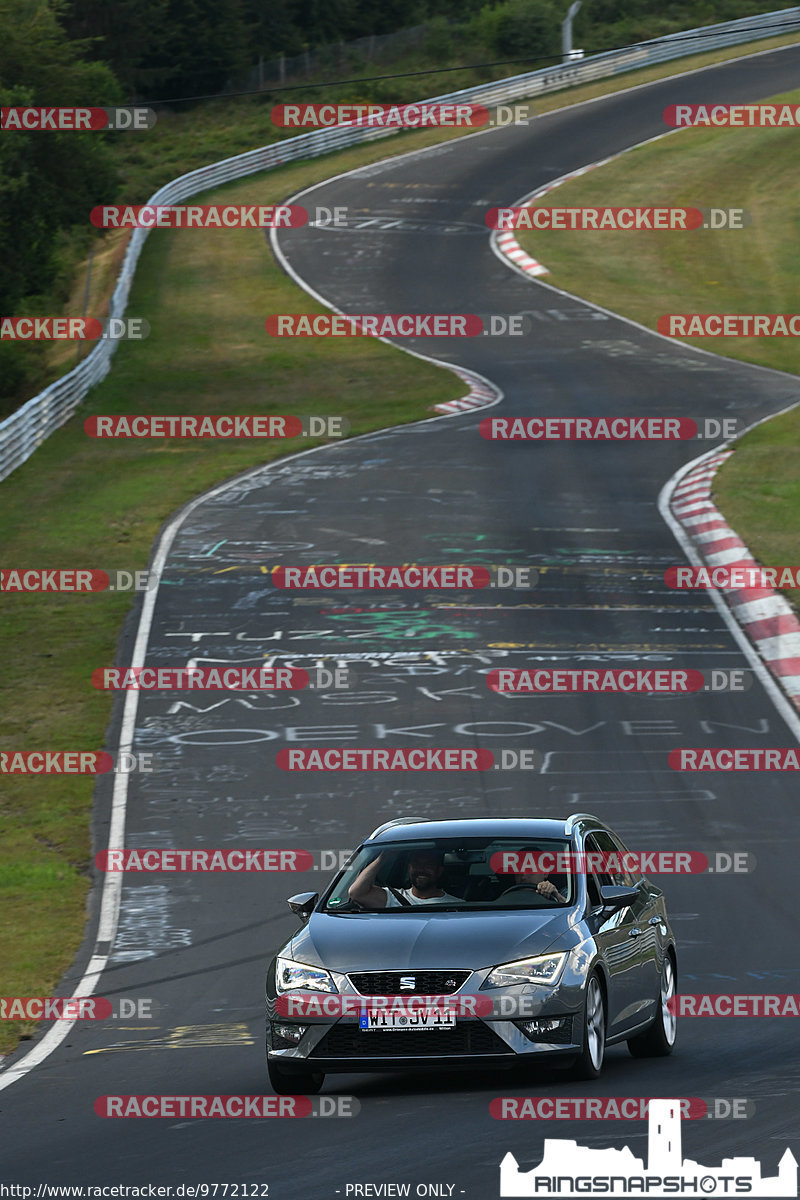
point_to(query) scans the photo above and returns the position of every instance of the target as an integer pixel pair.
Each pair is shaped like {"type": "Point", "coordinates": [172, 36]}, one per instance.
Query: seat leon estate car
{"type": "Point", "coordinates": [482, 943]}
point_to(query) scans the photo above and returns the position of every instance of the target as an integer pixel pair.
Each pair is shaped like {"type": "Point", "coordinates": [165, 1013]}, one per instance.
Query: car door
{"type": "Point", "coordinates": [625, 940]}
{"type": "Point", "coordinates": [649, 918]}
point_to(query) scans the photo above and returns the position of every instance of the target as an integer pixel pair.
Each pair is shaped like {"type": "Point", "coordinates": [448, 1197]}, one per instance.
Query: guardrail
{"type": "Point", "coordinates": [29, 426]}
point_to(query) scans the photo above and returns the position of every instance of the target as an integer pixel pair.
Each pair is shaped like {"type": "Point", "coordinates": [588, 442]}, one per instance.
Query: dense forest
{"type": "Point", "coordinates": [174, 48]}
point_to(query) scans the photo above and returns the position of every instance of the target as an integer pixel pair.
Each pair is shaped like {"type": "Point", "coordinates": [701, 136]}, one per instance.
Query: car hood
{"type": "Point", "coordinates": [379, 942]}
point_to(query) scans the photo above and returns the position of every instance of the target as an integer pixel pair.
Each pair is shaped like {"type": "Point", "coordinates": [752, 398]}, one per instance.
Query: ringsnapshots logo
{"type": "Point", "coordinates": [568, 1169]}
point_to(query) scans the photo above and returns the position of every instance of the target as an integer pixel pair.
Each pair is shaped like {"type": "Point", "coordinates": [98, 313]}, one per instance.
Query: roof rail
{"type": "Point", "coordinates": [396, 821]}
{"type": "Point", "coordinates": [573, 819]}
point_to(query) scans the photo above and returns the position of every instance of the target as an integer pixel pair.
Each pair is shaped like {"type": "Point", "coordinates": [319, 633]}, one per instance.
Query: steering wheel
{"type": "Point", "coordinates": [528, 887]}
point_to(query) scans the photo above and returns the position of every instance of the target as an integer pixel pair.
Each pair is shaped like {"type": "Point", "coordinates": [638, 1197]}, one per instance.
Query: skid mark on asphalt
{"type": "Point", "coordinates": [186, 1037]}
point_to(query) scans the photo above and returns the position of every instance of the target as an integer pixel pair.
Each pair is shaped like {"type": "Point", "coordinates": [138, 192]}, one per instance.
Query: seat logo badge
{"type": "Point", "coordinates": [408, 983]}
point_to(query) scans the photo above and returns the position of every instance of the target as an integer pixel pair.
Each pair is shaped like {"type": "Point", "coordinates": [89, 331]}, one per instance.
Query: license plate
{"type": "Point", "coordinates": [421, 1018]}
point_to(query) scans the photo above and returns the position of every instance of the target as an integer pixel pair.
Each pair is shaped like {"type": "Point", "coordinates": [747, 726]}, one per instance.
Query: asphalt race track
{"type": "Point", "coordinates": [586, 516]}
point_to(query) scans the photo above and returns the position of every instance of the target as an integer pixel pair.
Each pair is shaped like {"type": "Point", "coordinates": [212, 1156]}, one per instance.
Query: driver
{"type": "Point", "coordinates": [537, 881]}
{"type": "Point", "coordinates": [425, 868]}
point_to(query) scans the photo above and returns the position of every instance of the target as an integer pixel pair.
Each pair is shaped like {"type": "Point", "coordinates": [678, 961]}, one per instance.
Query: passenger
{"type": "Point", "coordinates": [425, 869]}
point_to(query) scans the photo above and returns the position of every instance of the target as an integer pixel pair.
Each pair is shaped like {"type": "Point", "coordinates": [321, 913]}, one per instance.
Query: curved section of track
{"type": "Point", "coordinates": [587, 517]}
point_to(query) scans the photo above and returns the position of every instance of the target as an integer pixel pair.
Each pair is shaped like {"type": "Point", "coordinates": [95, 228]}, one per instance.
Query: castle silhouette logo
{"type": "Point", "coordinates": [568, 1169]}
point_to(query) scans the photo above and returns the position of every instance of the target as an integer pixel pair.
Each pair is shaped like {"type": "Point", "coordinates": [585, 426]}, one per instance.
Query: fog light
{"type": "Point", "coordinates": [543, 1028]}
{"type": "Point", "coordinates": [544, 1025]}
{"type": "Point", "coordinates": [289, 1033]}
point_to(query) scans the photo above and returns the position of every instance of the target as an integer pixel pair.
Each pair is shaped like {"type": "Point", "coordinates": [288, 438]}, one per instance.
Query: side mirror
{"type": "Point", "coordinates": [302, 905]}
{"type": "Point", "coordinates": [617, 897]}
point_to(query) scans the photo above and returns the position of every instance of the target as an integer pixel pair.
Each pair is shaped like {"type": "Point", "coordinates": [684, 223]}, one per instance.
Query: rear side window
{"type": "Point", "coordinates": [612, 852]}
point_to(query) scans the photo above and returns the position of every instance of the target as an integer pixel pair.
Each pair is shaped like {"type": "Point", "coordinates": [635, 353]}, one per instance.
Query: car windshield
{"type": "Point", "coordinates": [497, 874]}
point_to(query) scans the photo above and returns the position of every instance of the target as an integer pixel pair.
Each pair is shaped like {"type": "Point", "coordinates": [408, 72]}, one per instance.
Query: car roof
{"type": "Point", "coordinates": [412, 829]}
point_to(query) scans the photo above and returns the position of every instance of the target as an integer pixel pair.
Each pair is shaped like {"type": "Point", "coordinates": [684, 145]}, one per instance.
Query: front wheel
{"type": "Point", "coordinates": [294, 1083]}
{"type": "Point", "coordinates": [659, 1039]}
{"type": "Point", "coordinates": [589, 1062]}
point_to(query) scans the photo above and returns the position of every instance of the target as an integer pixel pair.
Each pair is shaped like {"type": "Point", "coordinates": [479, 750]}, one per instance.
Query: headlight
{"type": "Point", "coordinates": [544, 968]}
{"type": "Point", "coordinates": [290, 974]}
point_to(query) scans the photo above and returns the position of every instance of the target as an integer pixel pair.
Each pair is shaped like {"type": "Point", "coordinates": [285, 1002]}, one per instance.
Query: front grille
{"type": "Point", "coordinates": [469, 1037]}
{"type": "Point", "coordinates": [428, 983]}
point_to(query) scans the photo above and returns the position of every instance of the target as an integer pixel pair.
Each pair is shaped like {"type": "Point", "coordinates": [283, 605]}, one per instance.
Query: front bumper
{"type": "Point", "coordinates": [343, 1046]}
